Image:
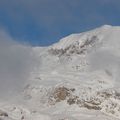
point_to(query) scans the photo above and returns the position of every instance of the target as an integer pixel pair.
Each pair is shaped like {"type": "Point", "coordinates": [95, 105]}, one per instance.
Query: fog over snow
{"type": "Point", "coordinates": [107, 61]}
{"type": "Point", "coordinates": [15, 64]}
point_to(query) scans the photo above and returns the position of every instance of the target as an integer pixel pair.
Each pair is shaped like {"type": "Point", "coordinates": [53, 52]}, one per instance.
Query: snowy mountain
{"type": "Point", "coordinates": [74, 79]}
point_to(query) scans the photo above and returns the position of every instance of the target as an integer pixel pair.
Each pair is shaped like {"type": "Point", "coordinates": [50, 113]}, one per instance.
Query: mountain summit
{"type": "Point", "coordinates": [101, 34]}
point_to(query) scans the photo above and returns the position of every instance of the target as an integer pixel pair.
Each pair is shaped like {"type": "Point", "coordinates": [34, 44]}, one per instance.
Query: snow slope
{"type": "Point", "coordinates": [74, 79]}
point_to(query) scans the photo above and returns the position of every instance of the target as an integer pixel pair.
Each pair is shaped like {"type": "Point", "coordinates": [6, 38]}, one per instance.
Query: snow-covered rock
{"type": "Point", "coordinates": [76, 78]}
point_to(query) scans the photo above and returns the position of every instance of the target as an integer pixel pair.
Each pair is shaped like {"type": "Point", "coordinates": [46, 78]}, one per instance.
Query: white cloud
{"type": "Point", "coordinates": [15, 64]}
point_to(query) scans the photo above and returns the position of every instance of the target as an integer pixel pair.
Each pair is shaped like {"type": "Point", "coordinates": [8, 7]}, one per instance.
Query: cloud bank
{"type": "Point", "coordinates": [15, 65]}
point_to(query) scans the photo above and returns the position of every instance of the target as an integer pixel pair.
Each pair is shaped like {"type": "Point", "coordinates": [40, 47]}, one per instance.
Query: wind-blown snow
{"type": "Point", "coordinates": [76, 78]}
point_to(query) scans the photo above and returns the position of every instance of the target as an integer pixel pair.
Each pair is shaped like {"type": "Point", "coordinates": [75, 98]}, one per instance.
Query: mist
{"type": "Point", "coordinates": [107, 61]}
{"type": "Point", "coordinates": [15, 65]}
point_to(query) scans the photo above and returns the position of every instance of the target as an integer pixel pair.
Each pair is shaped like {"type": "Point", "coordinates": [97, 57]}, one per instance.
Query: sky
{"type": "Point", "coordinates": [44, 22]}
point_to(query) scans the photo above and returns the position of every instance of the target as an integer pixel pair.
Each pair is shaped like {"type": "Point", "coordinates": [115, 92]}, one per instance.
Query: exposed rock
{"type": "Point", "coordinates": [2, 113]}
{"type": "Point", "coordinates": [91, 106]}
{"type": "Point", "coordinates": [61, 93]}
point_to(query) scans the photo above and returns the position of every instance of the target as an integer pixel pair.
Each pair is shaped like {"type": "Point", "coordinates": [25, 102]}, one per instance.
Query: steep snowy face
{"type": "Point", "coordinates": [72, 52]}
{"type": "Point", "coordinates": [105, 36]}
{"type": "Point", "coordinates": [95, 50]}
{"type": "Point", "coordinates": [81, 70]}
